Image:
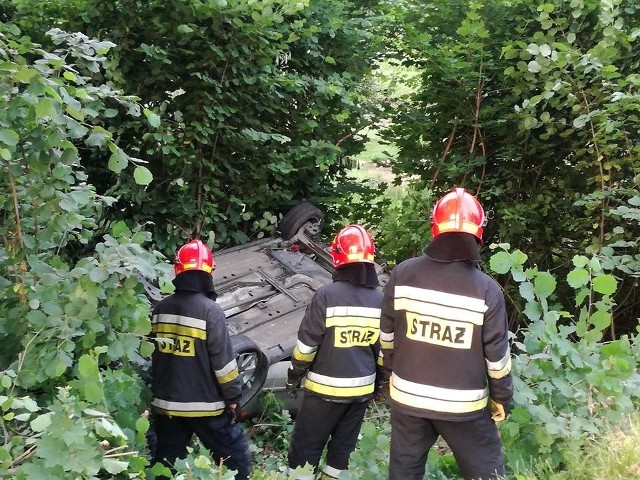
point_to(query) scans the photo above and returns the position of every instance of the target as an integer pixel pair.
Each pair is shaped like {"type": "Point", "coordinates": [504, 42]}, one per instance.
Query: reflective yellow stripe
{"type": "Point", "coordinates": [437, 399]}
{"type": "Point", "coordinates": [386, 340]}
{"type": "Point", "coordinates": [457, 225]}
{"type": "Point", "coordinates": [227, 373]}
{"type": "Point", "coordinates": [303, 357]}
{"type": "Point", "coordinates": [386, 345]}
{"type": "Point", "coordinates": [494, 372]}
{"type": "Point", "coordinates": [340, 386]}
{"type": "Point", "coordinates": [228, 377]}
{"type": "Point", "coordinates": [179, 330]}
{"type": "Point", "coordinates": [338, 391]}
{"type": "Point", "coordinates": [202, 266]}
{"type": "Point", "coordinates": [180, 345]}
{"type": "Point", "coordinates": [437, 331]}
{"type": "Point", "coordinates": [360, 256]}
{"type": "Point", "coordinates": [379, 360]}
{"type": "Point", "coordinates": [346, 337]}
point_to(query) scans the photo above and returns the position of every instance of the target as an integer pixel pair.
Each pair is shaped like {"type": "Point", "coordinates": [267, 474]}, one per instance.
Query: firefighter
{"type": "Point", "coordinates": [195, 379]}
{"type": "Point", "coordinates": [337, 349]}
{"type": "Point", "coordinates": [444, 335]}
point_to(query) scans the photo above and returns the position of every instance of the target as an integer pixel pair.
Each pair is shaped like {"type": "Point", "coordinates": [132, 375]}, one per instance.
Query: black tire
{"type": "Point", "coordinates": [297, 217]}
{"type": "Point", "coordinates": [252, 367]}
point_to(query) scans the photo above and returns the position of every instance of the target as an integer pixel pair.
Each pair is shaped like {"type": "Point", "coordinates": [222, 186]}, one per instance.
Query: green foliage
{"type": "Point", "coordinates": [613, 456]}
{"type": "Point", "coordinates": [533, 106]}
{"type": "Point", "coordinates": [270, 435]}
{"type": "Point", "coordinates": [77, 324]}
{"type": "Point", "coordinates": [406, 228]}
{"type": "Point", "coordinates": [249, 105]}
{"type": "Point", "coordinates": [569, 386]}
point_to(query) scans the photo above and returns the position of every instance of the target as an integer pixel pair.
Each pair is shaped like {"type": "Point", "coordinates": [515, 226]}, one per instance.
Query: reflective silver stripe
{"type": "Point", "coordinates": [341, 382]}
{"type": "Point", "coordinates": [386, 337]}
{"type": "Point", "coordinates": [331, 471]}
{"type": "Point", "coordinates": [386, 340]}
{"type": "Point", "coordinates": [229, 367]}
{"type": "Point", "coordinates": [187, 406]}
{"type": "Point", "coordinates": [438, 392]}
{"type": "Point", "coordinates": [353, 322]}
{"type": "Point", "coordinates": [180, 320]}
{"type": "Point", "coordinates": [305, 349]}
{"type": "Point", "coordinates": [437, 399]}
{"type": "Point", "coordinates": [501, 368]}
{"type": "Point", "coordinates": [346, 311]}
{"type": "Point", "coordinates": [440, 304]}
{"type": "Point", "coordinates": [345, 316]}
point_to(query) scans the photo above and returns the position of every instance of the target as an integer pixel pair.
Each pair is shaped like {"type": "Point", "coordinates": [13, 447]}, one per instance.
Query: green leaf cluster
{"type": "Point", "coordinates": [569, 386]}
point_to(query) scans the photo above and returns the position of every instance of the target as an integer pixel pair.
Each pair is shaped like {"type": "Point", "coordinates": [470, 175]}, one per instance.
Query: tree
{"type": "Point", "coordinates": [72, 324]}
{"type": "Point", "coordinates": [530, 106]}
{"type": "Point", "coordinates": [254, 104]}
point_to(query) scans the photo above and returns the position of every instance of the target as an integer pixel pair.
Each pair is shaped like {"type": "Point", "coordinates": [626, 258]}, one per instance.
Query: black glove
{"type": "Point", "coordinates": [293, 383]}
{"type": "Point", "coordinates": [234, 414]}
{"type": "Point", "coordinates": [292, 390]}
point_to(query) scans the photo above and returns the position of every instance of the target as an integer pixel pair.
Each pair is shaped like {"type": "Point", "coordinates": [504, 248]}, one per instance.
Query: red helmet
{"type": "Point", "coordinates": [194, 255]}
{"type": "Point", "coordinates": [353, 244]}
{"type": "Point", "coordinates": [458, 211]}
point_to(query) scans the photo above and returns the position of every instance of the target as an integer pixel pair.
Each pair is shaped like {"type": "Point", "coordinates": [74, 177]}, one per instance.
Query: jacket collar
{"type": "Point", "coordinates": [195, 281]}
{"type": "Point", "coordinates": [453, 247]}
{"type": "Point", "coordinates": [363, 274]}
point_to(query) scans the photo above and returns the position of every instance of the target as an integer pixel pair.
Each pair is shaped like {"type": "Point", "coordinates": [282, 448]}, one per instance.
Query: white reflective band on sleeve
{"type": "Point", "coordinates": [346, 311]}
{"type": "Point", "coordinates": [180, 320]}
{"type": "Point", "coordinates": [500, 368]}
{"type": "Point", "coordinates": [305, 349]}
{"type": "Point", "coordinates": [229, 367]}
{"type": "Point", "coordinates": [440, 304]}
{"type": "Point", "coordinates": [187, 406]}
{"type": "Point", "coordinates": [341, 382]}
{"type": "Point", "coordinates": [386, 337]}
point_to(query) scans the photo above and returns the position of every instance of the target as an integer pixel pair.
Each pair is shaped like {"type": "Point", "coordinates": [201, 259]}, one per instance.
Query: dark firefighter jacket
{"type": "Point", "coordinates": [193, 366]}
{"type": "Point", "coordinates": [444, 333]}
{"type": "Point", "coordinates": [338, 339]}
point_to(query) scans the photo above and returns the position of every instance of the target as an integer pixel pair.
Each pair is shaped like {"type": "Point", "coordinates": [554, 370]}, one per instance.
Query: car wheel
{"type": "Point", "coordinates": [302, 214]}
{"type": "Point", "coordinates": [252, 367]}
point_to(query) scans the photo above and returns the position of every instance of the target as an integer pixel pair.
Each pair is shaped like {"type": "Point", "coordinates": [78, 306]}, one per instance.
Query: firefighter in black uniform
{"type": "Point", "coordinates": [195, 379]}
{"type": "Point", "coordinates": [338, 351]}
{"type": "Point", "coordinates": [444, 334]}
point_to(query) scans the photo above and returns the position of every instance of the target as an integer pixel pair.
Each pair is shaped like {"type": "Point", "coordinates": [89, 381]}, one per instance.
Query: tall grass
{"type": "Point", "coordinates": [614, 456]}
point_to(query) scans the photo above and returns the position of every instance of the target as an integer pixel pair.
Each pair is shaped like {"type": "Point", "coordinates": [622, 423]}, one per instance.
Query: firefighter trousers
{"type": "Point", "coordinates": [319, 421]}
{"type": "Point", "coordinates": [225, 439]}
{"type": "Point", "coordinates": [475, 445]}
